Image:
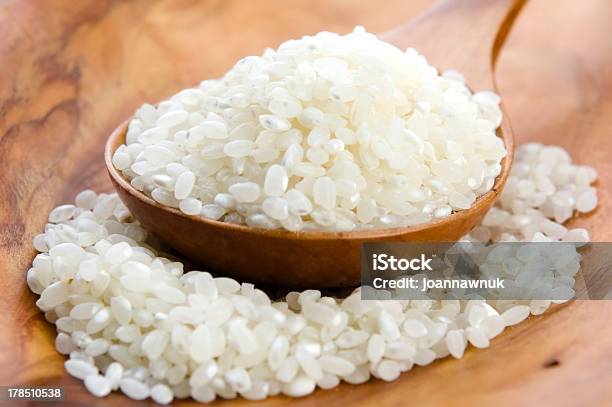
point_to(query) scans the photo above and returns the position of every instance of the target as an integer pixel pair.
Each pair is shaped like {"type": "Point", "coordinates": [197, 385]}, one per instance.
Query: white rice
{"type": "Point", "coordinates": [327, 132]}
{"type": "Point", "coordinates": [133, 321]}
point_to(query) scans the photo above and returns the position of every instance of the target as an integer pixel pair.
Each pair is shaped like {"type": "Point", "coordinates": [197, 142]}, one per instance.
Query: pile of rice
{"type": "Point", "coordinates": [132, 320]}
{"type": "Point", "coordinates": [327, 132]}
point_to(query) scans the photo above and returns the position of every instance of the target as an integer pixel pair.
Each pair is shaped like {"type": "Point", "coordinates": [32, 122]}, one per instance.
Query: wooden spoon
{"type": "Point", "coordinates": [461, 34]}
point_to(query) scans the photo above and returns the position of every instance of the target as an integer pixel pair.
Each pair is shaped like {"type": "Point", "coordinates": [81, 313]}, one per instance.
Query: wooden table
{"type": "Point", "coordinates": [71, 70]}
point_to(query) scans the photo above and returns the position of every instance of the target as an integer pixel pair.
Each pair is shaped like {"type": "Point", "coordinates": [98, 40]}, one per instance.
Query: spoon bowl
{"type": "Point", "coordinates": [316, 259]}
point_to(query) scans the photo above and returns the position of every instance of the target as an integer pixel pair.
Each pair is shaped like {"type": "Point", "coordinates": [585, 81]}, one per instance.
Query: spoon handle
{"type": "Point", "coordinates": [465, 35]}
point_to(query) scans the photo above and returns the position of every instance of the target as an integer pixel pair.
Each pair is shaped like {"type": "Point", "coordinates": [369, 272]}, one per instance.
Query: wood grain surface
{"type": "Point", "coordinates": [70, 71]}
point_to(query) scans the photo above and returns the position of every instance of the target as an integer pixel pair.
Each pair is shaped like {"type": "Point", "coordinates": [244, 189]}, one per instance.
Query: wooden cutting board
{"type": "Point", "coordinates": [71, 70]}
